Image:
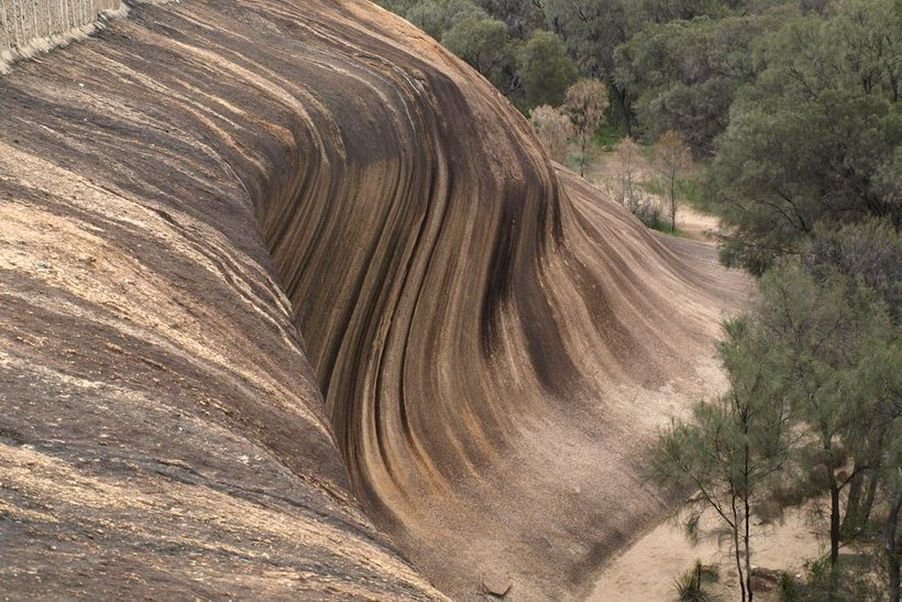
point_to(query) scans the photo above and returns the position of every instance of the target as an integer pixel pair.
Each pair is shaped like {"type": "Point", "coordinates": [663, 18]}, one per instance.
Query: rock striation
{"type": "Point", "coordinates": [273, 272]}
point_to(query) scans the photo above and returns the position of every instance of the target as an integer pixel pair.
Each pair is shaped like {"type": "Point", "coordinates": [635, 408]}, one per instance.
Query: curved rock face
{"type": "Point", "coordinates": [248, 248]}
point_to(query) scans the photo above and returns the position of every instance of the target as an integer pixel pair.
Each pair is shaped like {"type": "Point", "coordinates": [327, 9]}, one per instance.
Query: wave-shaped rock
{"type": "Point", "coordinates": [260, 256]}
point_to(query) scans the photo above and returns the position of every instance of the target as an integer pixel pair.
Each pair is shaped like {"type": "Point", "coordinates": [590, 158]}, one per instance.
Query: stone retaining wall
{"type": "Point", "coordinates": [28, 27]}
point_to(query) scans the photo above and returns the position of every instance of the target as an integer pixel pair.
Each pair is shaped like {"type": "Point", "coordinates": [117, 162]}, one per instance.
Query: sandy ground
{"type": "Point", "coordinates": [697, 225]}
{"type": "Point", "coordinates": [647, 569]}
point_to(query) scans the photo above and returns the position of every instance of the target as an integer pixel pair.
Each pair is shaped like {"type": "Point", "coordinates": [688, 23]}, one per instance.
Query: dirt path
{"type": "Point", "coordinates": [697, 225]}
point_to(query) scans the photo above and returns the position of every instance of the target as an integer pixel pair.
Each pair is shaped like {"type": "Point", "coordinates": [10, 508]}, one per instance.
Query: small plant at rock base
{"type": "Point", "coordinates": [790, 589]}
{"type": "Point", "coordinates": [691, 585]}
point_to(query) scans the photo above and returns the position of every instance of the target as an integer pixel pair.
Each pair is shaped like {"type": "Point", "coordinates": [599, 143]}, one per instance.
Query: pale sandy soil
{"type": "Point", "coordinates": [697, 225]}
{"type": "Point", "coordinates": [646, 570]}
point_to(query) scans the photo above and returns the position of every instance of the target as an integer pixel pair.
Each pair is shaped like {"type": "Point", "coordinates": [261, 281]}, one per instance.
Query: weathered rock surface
{"type": "Point", "coordinates": [261, 258]}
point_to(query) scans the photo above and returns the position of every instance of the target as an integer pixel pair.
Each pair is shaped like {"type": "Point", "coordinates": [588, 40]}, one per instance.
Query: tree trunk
{"type": "Point", "coordinates": [582, 155]}
{"type": "Point", "coordinates": [621, 97]}
{"type": "Point", "coordinates": [869, 498]}
{"type": "Point", "coordinates": [738, 552]}
{"type": "Point", "coordinates": [834, 523]}
{"type": "Point", "coordinates": [852, 524]}
{"type": "Point", "coordinates": [673, 201]}
{"type": "Point", "coordinates": [835, 532]}
{"type": "Point", "coordinates": [876, 465]}
{"type": "Point", "coordinates": [834, 536]}
{"type": "Point", "coordinates": [748, 549]}
{"type": "Point", "coordinates": [892, 549]}
{"type": "Point", "coordinates": [862, 491]}
{"type": "Point", "coordinates": [739, 571]}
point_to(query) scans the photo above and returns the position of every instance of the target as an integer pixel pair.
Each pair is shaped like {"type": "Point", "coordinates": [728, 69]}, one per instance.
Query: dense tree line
{"type": "Point", "coordinates": [814, 138]}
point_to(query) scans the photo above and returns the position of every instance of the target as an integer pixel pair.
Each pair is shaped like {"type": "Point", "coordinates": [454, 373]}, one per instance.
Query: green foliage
{"type": "Point", "coordinates": [826, 331]}
{"type": "Point", "coordinates": [484, 43]}
{"type": "Point", "coordinates": [592, 30]}
{"type": "Point", "coordinates": [815, 373]}
{"type": "Point", "coordinates": [684, 75]}
{"type": "Point", "coordinates": [554, 41]}
{"type": "Point", "coordinates": [504, 40]}
{"type": "Point", "coordinates": [468, 31]}
{"type": "Point", "coordinates": [849, 581]}
{"type": "Point", "coordinates": [869, 254]}
{"type": "Point", "coordinates": [731, 450]}
{"type": "Point", "coordinates": [664, 11]}
{"type": "Point", "coordinates": [545, 70]}
{"type": "Point", "coordinates": [609, 135]}
{"type": "Point", "coordinates": [691, 585]}
{"type": "Point", "coordinates": [816, 137]}
{"type": "Point", "coordinates": [663, 225]}
{"type": "Point", "coordinates": [520, 16]}
{"type": "Point", "coordinates": [435, 17]}
{"type": "Point", "coordinates": [840, 372]}
{"type": "Point", "coordinates": [688, 188]}
{"type": "Point", "coordinates": [790, 590]}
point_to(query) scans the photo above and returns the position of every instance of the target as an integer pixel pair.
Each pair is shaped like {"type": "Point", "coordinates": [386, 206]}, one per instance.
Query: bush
{"type": "Point", "coordinates": [690, 586]}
